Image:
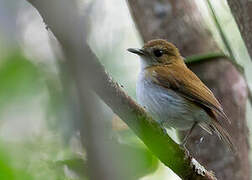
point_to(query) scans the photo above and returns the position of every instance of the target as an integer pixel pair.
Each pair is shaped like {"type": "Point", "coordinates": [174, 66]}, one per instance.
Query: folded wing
{"type": "Point", "coordinates": [182, 80]}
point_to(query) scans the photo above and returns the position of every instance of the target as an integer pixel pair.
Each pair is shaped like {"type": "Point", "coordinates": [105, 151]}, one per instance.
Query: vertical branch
{"type": "Point", "coordinates": [219, 28]}
{"type": "Point", "coordinates": [62, 18]}
{"type": "Point", "coordinates": [241, 10]}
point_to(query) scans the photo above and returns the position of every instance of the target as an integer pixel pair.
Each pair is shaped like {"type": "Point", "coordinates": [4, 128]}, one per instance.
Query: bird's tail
{"type": "Point", "coordinates": [223, 135]}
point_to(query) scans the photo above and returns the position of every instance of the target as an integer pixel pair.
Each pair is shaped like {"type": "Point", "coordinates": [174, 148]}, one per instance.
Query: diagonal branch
{"type": "Point", "coordinates": [63, 20]}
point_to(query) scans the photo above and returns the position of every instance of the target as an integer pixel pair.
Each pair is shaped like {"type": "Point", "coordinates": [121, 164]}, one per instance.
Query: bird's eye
{"type": "Point", "coordinates": [158, 53]}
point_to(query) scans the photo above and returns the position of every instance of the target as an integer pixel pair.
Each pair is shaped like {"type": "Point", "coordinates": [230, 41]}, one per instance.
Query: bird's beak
{"type": "Point", "coordinates": [137, 51]}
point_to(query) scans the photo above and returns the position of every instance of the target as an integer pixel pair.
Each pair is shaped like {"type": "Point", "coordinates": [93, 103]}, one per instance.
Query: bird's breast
{"type": "Point", "coordinates": [165, 105]}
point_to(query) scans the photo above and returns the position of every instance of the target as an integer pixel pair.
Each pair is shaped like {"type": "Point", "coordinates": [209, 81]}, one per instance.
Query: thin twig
{"type": "Point", "coordinates": [228, 47]}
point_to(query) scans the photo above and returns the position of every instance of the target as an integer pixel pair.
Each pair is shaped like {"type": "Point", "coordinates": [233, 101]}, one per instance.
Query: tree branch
{"type": "Point", "coordinates": [69, 33]}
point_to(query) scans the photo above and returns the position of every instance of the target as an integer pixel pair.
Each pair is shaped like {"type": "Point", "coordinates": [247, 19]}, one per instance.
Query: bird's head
{"type": "Point", "coordinates": [157, 52]}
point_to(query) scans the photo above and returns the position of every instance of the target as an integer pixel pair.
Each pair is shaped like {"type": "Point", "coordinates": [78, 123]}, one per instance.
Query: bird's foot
{"type": "Point", "coordinates": [182, 146]}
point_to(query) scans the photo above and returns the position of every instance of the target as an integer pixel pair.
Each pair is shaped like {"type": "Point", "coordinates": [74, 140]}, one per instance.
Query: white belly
{"type": "Point", "coordinates": [168, 107]}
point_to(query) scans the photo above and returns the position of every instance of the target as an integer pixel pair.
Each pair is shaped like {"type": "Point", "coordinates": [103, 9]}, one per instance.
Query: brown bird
{"type": "Point", "coordinates": [174, 95]}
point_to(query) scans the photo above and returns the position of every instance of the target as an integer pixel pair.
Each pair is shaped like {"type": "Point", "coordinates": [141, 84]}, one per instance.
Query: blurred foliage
{"type": "Point", "coordinates": [77, 165]}
{"type": "Point", "coordinates": [138, 161]}
{"type": "Point", "coordinates": [19, 78]}
{"type": "Point", "coordinates": [60, 107]}
{"type": "Point", "coordinates": [129, 153]}
{"type": "Point", "coordinates": [8, 172]}
{"type": "Point", "coordinates": [36, 158]}
{"type": "Point", "coordinates": [48, 155]}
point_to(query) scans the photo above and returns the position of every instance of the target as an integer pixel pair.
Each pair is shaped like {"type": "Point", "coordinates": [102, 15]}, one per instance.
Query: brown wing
{"type": "Point", "coordinates": [181, 79]}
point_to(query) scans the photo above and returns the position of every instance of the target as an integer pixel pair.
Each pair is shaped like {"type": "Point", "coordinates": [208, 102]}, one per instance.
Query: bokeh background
{"type": "Point", "coordinates": [38, 138]}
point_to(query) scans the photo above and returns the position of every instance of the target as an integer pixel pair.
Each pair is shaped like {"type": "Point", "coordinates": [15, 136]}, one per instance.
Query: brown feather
{"type": "Point", "coordinates": [178, 77]}
{"type": "Point", "coordinates": [167, 69]}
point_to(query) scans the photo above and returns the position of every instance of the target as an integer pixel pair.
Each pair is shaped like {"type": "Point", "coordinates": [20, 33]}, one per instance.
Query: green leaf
{"type": "Point", "coordinates": [7, 171]}
{"type": "Point", "coordinates": [133, 156]}
{"type": "Point", "coordinates": [77, 165]}
{"type": "Point", "coordinates": [19, 78]}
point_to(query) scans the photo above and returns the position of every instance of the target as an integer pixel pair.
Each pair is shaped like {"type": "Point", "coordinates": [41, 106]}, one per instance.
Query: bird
{"type": "Point", "coordinates": [173, 95]}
